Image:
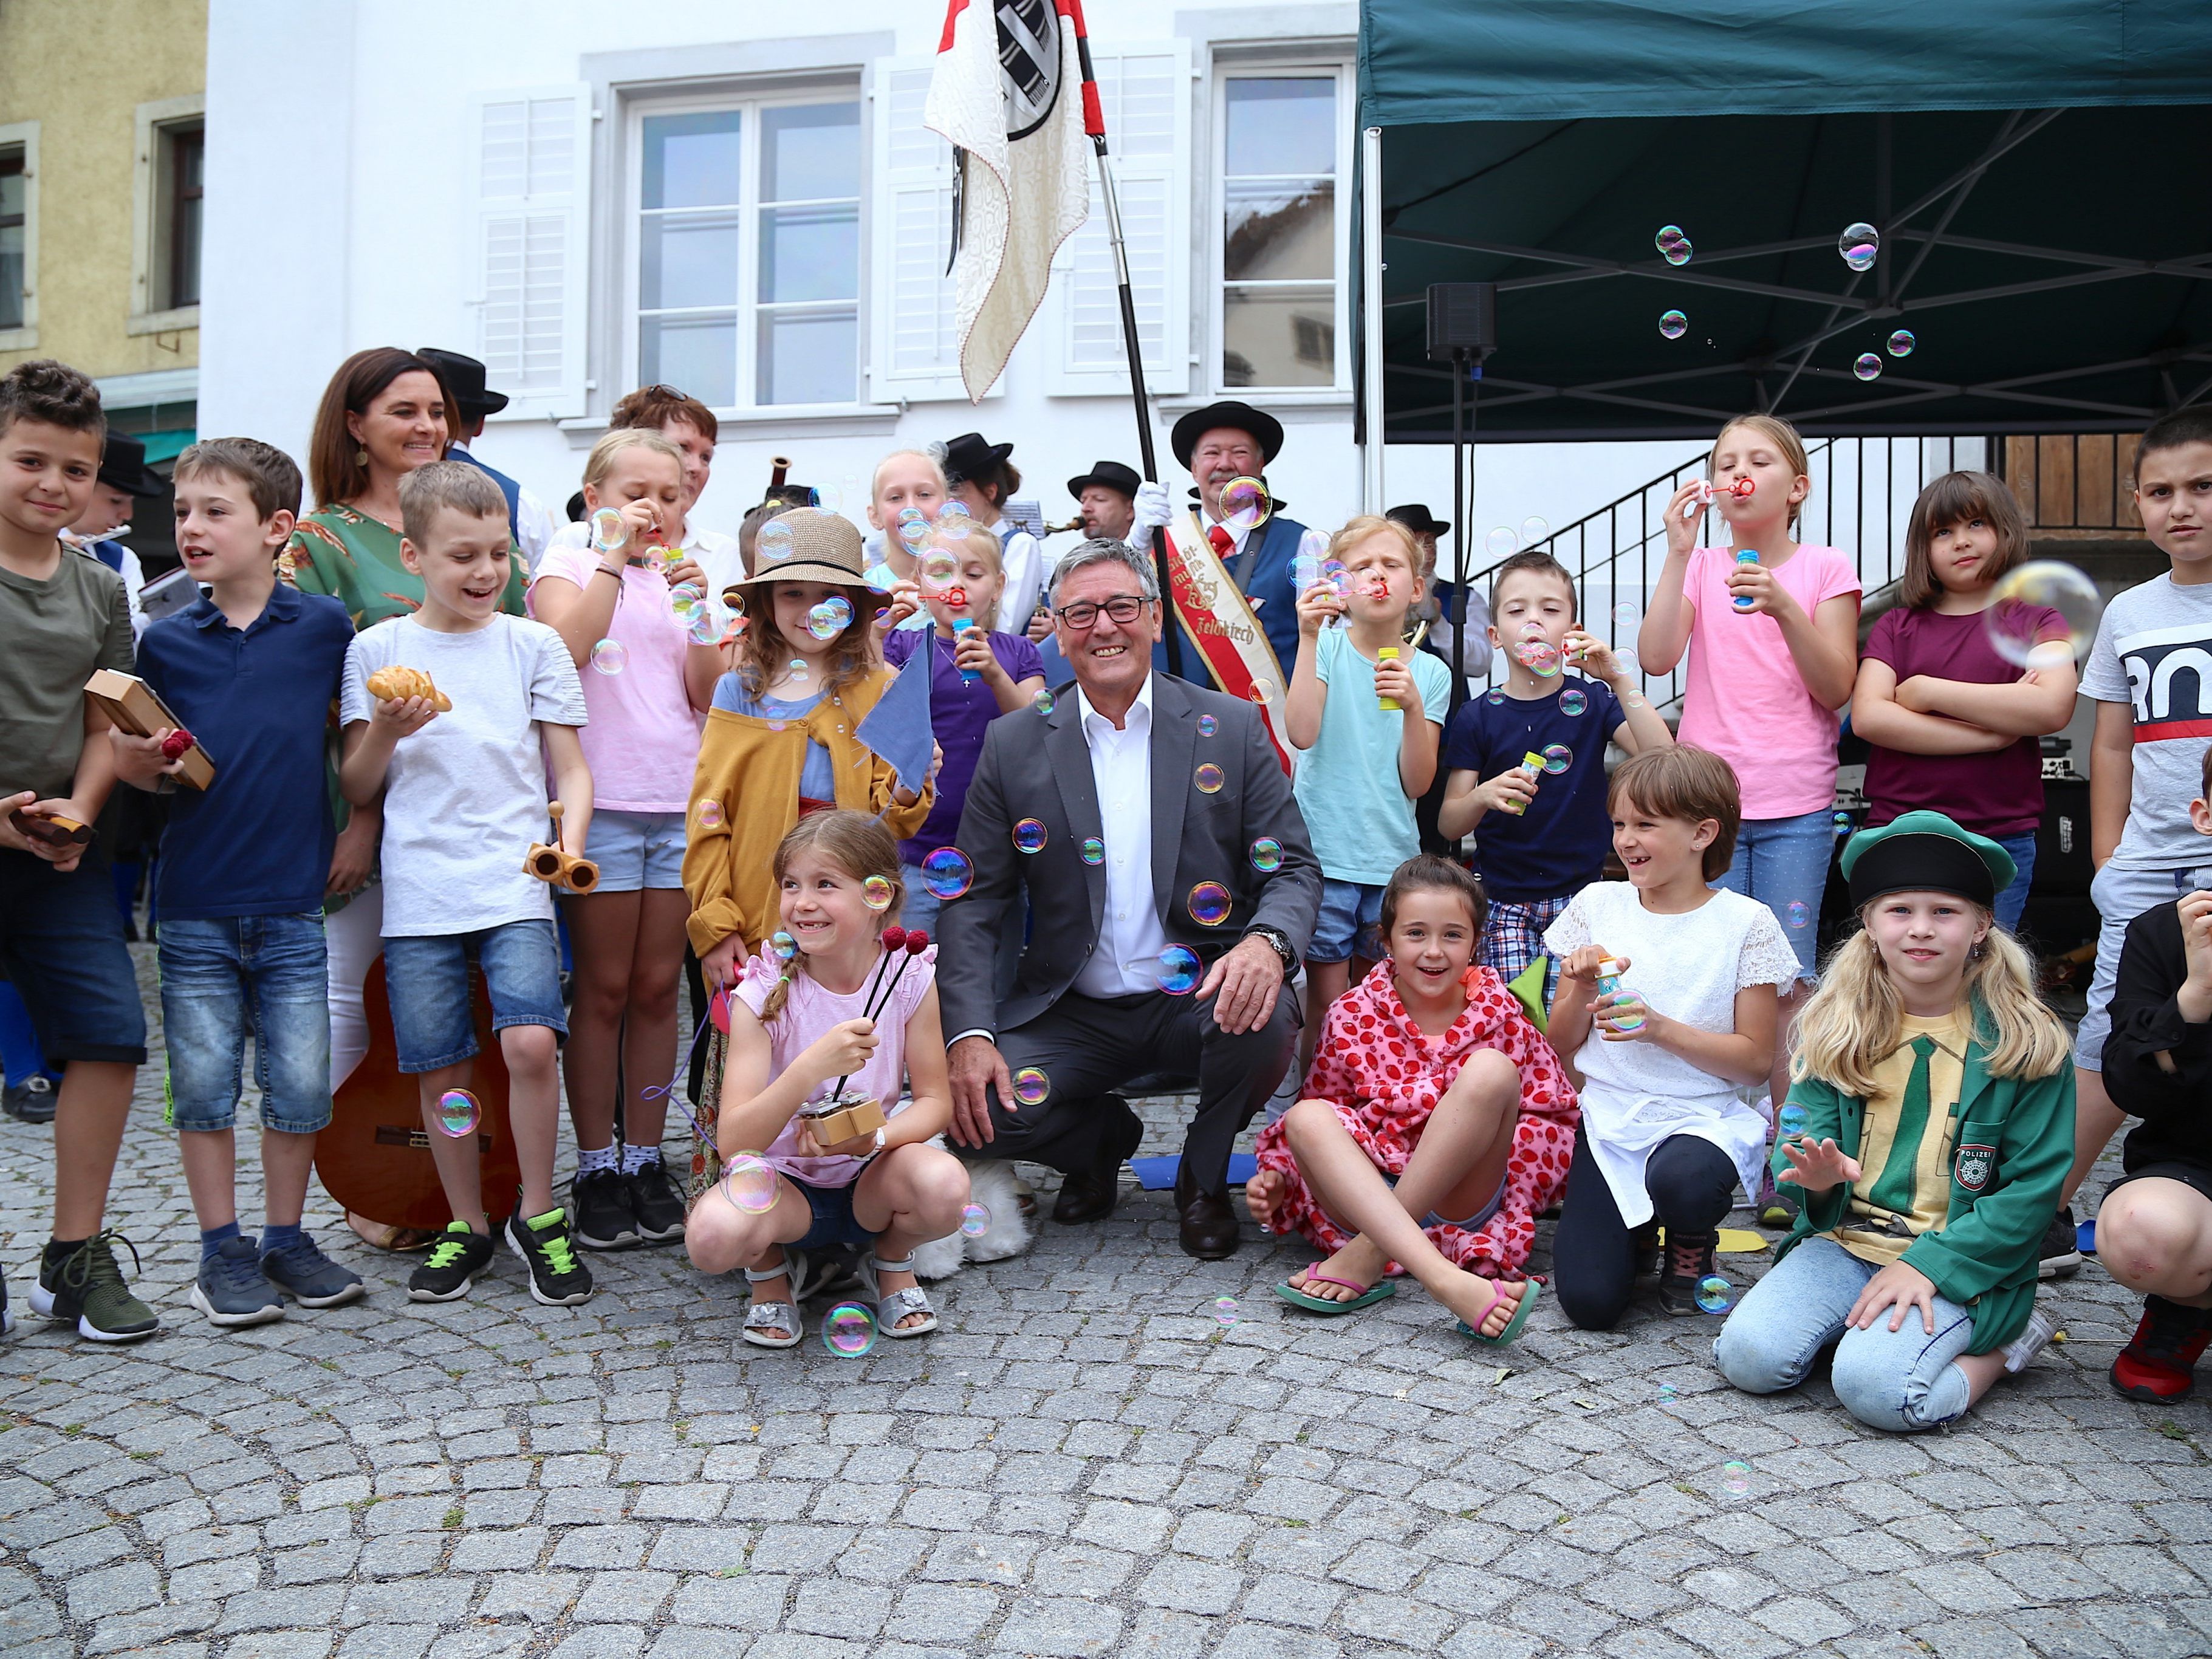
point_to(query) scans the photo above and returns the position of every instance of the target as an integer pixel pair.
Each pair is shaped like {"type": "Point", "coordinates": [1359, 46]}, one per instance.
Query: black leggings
{"type": "Point", "coordinates": [1692, 1186]}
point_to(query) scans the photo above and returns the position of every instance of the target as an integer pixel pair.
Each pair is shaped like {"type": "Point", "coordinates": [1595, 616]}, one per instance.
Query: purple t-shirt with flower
{"type": "Point", "coordinates": [958, 712]}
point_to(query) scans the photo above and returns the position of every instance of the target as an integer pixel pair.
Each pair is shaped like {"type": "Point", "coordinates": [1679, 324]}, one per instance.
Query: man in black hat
{"type": "Point", "coordinates": [123, 477]}
{"type": "Point", "coordinates": [1232, 440]}
{"type": "Point", "coordinates": [1106, 496]}
{"type": "Point", "coordinates": [983, 477]}
{"type": "Point", "coordinates": [464, 377]}
{"type": "Point", "coordinates": [1442, 604]}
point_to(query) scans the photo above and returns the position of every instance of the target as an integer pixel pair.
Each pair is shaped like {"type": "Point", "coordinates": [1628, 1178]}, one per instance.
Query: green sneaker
{"type": "Point", "coordinates": [86, 1285]}
{"type": "Point", "coordinates": [557, 1279]}
{"type": "Point", "coordinates": [455, 1259]}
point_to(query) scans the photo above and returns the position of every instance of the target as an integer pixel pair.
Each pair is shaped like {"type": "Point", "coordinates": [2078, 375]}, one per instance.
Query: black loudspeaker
{"type": "Point", "coordinates": [1462, 320]}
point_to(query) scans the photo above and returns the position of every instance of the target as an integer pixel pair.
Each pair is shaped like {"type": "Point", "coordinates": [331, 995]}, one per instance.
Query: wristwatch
{"type": "Point", "coordinates": [1279, 942]}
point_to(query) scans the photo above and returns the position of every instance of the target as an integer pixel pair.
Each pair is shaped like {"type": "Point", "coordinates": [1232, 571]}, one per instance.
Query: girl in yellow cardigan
{"type": "Point", "coordinates": [780, 740]}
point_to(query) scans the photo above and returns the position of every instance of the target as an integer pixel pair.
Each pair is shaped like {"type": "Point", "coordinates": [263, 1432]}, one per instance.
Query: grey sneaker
{"type": "Point", "coordinates": [230, 1290]}
{"type": "Point", "coordinates": [311, 1279]}
{"type": "Point", "coordinates": [86, 1285]}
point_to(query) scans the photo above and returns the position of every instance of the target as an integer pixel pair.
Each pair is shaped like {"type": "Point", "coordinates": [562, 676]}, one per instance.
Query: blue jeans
{"type": "Point", "coordinates": [221, 976]}
{"type": "Point", "coordinates": [2014, 899]}
{"type": "Point", "coordinates": [1349, 923]}
{"type": "Point", "coordinates": [433, 1012]}
{"type": "Point", "coordinates": [1784, 864]}
{"type": "Point", "coordinates": [1902, 1381]}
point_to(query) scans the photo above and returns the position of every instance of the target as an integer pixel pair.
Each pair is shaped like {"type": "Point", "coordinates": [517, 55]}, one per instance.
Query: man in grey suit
{"type": "Point", "coordinates": [1171, 891]}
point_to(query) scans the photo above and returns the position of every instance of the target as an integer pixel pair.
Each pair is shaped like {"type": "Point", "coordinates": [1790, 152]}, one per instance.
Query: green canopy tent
{"type": "Point", "coordinates": [2040, 172]}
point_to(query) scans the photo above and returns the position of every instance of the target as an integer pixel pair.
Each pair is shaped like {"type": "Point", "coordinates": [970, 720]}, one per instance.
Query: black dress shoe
{"type": "Point", "coordinates": [1089, 1194]}
{"type": "Point", "coordinates": [1208, 1227]}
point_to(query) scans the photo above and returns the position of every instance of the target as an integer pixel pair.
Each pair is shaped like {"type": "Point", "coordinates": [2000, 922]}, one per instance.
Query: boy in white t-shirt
{"type": "Point", "coordinates": [462, 770]}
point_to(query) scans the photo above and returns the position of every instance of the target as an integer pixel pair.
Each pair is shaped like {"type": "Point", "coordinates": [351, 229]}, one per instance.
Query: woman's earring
{"type": "Point", "coordinates": [361, 457]}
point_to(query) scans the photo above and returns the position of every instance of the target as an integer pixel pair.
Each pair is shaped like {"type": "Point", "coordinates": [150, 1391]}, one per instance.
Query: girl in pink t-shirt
{"type": "Point", "coordinates": [822, 1002]}
{"type": "Point", "coordinates": [647, 682]}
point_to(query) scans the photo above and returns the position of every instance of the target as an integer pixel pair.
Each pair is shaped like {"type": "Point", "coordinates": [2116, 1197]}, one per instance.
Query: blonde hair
{"type": "Point", "coordinates": [936, 464]}
{"type": "Point", "coordinates": [1358, 529]}
{"type": "Point", "coordinates": [982, 541]}
{"type": "Point", "coordinates": [1855, 1018]}
{"type": "Point", "coordinates": [857, 845]}
{"type": "Point", "coordinates": [601, 461]}
{"type": "Point", "coordinates": [1784, 436]}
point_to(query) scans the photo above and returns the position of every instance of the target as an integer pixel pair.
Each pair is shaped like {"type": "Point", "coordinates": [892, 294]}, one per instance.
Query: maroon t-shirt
{"type": "Point", "coordinates": [1992, 794]}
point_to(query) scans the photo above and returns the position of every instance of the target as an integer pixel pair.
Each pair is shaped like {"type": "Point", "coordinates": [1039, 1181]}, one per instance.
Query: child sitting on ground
{"type": "Point", "coordinates": [1432, 1096]}
{"type": "Point", "coordinates": [800, 1024]}
{"type": "Point", "coordinates": [1929, 1127]}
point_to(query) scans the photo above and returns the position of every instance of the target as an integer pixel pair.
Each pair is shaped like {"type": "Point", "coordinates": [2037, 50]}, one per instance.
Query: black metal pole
{"type": "Point", "coordinates": [1459, 534]}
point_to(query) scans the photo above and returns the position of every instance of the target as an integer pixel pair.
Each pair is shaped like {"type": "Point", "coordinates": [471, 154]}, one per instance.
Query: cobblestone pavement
{"type": "Point", "coordinates": [1084, 1461]}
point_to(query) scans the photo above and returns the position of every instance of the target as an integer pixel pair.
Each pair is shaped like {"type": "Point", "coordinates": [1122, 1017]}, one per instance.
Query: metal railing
{"type": "Point", "coordinates": [1863, 494]}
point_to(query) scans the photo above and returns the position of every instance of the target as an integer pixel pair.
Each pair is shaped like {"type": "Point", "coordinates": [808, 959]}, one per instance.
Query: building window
{"type": "Point", "coordinates": [13, 275]}
{"type": "Point", "coordinates": [182, 154]}
{"type": "Point", "coordinates": [749, 252]}
{"type": "Point", "coordinates": [1282, 239]}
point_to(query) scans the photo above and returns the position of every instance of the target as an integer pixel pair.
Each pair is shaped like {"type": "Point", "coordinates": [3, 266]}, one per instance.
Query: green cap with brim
{"type": "Point", "coordinates": [1924, 852]}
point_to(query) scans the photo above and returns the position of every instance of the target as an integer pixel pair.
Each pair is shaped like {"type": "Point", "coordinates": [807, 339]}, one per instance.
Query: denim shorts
{"type": "Point", "coordinates": [2121, 895]}
{"type": "Point", "coordinates": [61, 946]}
{"type": "Point", "coordinates": [426, 979]}
{"type": "Point", "coordinates": [223, 976]}
{"type": "Point", "coordinates": [636, 850]}
{"type": "Point", "coordinates": [833, 1221]}
{"type": "Point", "coordinates": [1784, 864]}
{"type": "Point", "coordinates": [1350, 923]}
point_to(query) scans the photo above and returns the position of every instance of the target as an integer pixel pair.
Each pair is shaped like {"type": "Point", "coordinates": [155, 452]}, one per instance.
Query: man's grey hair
{"type": "Point", "coordinates": [1099, 551]}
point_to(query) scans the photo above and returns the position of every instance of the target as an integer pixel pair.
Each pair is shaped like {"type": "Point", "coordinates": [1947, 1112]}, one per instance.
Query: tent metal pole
{"type": "Point", "coordinates": [1370, 316]}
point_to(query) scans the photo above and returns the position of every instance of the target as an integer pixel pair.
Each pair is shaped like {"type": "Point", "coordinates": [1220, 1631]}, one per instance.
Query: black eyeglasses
{"type": "Point", "coordinates": [1082, 614]}
{"type": "Point", "coordinates": [660, 390]}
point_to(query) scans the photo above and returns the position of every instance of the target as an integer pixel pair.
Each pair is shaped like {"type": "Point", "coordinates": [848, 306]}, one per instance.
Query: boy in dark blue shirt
{"type": "Point", "coordinates": [251, 672]}
{"type": "Point", "coordinates": [1528, 760]}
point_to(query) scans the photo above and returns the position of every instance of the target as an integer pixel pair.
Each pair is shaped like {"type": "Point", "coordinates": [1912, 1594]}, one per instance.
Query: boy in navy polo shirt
{"type": "Point", "coordinates": [251, 670]}
{"type": "Point", "coordinates": [1542, 827]}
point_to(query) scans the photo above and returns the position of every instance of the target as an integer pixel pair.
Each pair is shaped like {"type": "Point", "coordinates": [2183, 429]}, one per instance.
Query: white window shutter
{"type": "Point", "coordinates": [913, 343]}
{"type": "Point", "coordinates": [532, 169]}
{"type": "Point", "coordinates": [1144, 90]}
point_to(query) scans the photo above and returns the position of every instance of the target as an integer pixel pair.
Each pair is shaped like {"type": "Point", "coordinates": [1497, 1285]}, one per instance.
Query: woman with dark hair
{"type": "Point", "coordinates": [385, 413]}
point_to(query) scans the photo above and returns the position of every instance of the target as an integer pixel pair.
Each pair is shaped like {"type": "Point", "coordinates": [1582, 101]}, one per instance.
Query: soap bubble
{"type": "Point", "coordinates": [684, 595]}
{"type": "Point", "coordinates": [1266, 855]}
{"type": "Point", "coordinates": [1674, 325]}
{"type": "Point", "coordinates": [1031, 1086]}
{"type": "Point", "coordinates": [1534, 528]}
{"type": "Point", "coordinates": [458, 1113]}
{"type": "Point", "coordinates": [1573, 701]}
{"type": "Point", "coordinates": [1843, 823]}
{"type": "Point", "coordinates": [1044, 703]}
{"type": "Point", "coordinates": [1867, 366]}
{"type": "Point", "coordinates": [1858, 244]}
{"type": "Point", "coordinates": [1901, 343]}
{"type": "Point", "coordinates": [2028, 640]}
{"type": "Point", "coordinates": [776, 540]}
{"type": "Point", "coordinates": [1715, 1293]}
{"type": "Point", "coordinates": [1094, 850]}
{"type": "Point", "coordinates": [937, 569]}
{"type": "Point", "coordinates": [947, 873]}
{"type": "Point", "coordinates": [876, 892]}
{"type": "Point", "coordinates": [610, 656]}
{"type": "Point", "coordinates": [913, 530]}
{"type": "Point", "coordinates": [827, 620]}
{"type": "Point", "coordinates": [1209, 903]}
{"type": "Point", "coordinates": [1226, 1310]}
{"type": "Point", "coordinates": [1791, 1119]}
{"type": "Point", "coordinates": [1674, 245]}
{"type": "Point", "coordinates": [1557, 757]}
{"type": "Point", "coordinates": [848, 1330]}
{"type": "Point", "coordinates": [797, 670]}
{"type": "Point", "coordinates": [1029, 836]}
{"type": "Point", "coordinates": [1627, 613]}
{"type": "Point", "coordinates": [1180, 970]}
{"type": "Point", "coordinates": [1735, 1478]}
{"type": "Point", "coordinates": [1798, 913]}
{"type": "Point", "coordinates": [1263, 691]}
{"type": "Point", "coordinates": [1495, 696]}
{"type": "Point", "coordinates": [1207, 725]}
{"type": "Point", "coordinates": [781, 945]}
{"type": "Point", "coordinates": [709, 815]}
{"type": "Point", "coordinates": [1244, 504]}
{"type": "Point", "coordinates": [1501, 541]}
{"type": "Point", "coordinates": [1209, 778]}
{"type": "Point", "coordinates": [608, 533]}
{"type": "Point", "coordinates": [975, 1221]}
{"type": "Point", "coordinates": [1305, 573]}
{"type": "Point", "coordinates": [954, 518]}
{"type": "Point", "coordinates": [749, 1184]}
{"type": "Point", "coordinates": [704, 625]}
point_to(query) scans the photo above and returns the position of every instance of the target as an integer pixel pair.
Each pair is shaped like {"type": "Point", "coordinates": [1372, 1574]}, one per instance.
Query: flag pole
{"type": "Point", "coordinates": [1130, 343]}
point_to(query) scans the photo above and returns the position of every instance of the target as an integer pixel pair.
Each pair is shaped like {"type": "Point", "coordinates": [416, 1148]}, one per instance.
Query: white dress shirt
{"type": "Point", "coordinates": [1125, 962]}
{"type": "Point", "coordinates": [1023, 559]}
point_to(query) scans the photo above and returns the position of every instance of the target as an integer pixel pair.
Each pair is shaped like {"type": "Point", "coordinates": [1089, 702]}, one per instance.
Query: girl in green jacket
{"type": "Point", "coordinates": [1930, 1126]}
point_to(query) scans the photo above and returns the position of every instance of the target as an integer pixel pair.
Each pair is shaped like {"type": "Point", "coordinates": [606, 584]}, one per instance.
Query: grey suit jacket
{"type": "Point", "coordinates": [1039, 767]}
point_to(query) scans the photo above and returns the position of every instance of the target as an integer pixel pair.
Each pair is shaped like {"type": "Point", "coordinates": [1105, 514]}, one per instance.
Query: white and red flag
{"type": "Point", "coordinates": [1013, 91]}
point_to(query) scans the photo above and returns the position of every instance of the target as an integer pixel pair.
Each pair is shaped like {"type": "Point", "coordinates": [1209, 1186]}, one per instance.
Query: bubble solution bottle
{"type": "Point", "coordinates": [1388, 653]}
{"type": "Point", "coordinates": [1608, 981]}
{"type": "Point", "coordinates": [1749, 556]}
{"type": "Point", "coordinates": [961, 625]}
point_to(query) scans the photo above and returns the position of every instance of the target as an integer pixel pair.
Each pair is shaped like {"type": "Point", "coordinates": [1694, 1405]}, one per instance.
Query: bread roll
{"type": "Point", "coordinates": [399, 682]}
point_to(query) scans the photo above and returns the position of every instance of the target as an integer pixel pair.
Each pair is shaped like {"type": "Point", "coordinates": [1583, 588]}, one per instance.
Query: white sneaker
{"type": "Point", "coordinates": [2020, 1351]}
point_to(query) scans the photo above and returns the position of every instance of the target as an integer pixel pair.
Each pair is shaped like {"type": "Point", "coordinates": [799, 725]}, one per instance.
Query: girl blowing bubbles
{"type": "Point", "coordinates": [796, 1028]}
{"type": "Point", "coordinates": [1937, 1101]}
{"type": "Point", "coordinates": [1432, 1096]}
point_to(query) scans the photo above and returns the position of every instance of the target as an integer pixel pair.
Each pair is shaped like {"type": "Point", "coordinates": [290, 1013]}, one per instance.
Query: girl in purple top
{"type": "Point", "coordinates": [1953, 723]}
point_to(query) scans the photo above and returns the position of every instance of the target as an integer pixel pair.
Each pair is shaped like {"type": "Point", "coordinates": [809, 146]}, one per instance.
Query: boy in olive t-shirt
{"type": "Point", "coordinates": [63, 614]}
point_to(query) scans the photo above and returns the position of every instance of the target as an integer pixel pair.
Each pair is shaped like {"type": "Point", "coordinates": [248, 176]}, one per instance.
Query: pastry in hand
{"type": "Point", "coordinates": [398, 683]}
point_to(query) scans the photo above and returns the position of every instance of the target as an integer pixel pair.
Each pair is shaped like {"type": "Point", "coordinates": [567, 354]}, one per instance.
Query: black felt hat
{"type": "Point", "coordinates": [1264, 428]}
{"type": "Point", "coordinates": [123, 466]}
{"type": "Point", "coordinates": [969, 457]}
{"type": "Point", "coordinates": [1111, 474]}
{"type": "Point", "coordinates": [1417, 518]}
{"type": "Point", "coordinates": [463, 380]}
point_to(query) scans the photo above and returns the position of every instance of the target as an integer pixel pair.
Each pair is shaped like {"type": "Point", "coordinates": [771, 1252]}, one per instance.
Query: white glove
{"type": "Point", "coordinates": [1153, 511]}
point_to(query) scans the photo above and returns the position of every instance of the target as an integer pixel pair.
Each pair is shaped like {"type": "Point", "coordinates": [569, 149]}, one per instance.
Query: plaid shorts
{"type": "Point", "coordinates": [1514, 937]}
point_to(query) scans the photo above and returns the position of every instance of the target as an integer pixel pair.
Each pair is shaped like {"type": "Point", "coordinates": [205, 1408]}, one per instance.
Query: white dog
{"type": "Point", "coordinates": [993, 1185]}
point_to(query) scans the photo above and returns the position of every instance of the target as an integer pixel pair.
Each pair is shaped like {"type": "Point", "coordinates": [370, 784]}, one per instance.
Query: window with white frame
{"type": "Point", "coordinates": [14, 217]}
{"type": "Point", "coordinates": [1281, 136]}
{"type": "Point", "coordinates": [747, 266]}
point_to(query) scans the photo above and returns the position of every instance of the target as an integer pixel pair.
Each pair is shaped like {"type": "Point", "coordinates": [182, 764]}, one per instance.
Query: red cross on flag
{"type": "Point", "coordinates": [1012, 93]}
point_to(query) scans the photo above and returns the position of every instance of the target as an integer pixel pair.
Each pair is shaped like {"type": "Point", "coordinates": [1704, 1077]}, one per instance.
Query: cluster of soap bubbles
{"type": "Point", "coordinates": [1858, 244]}
{"type": "Point", "coordinates": [1674, 245]}
{"type": "Point", "coordinates": [2018, 623]}
{"type": "Point", "coordinates": [1535, 653]}
{"type": "Point", "coordinates": [1505, 541]}
{"type": "Point", "coordinates": [827, 620]}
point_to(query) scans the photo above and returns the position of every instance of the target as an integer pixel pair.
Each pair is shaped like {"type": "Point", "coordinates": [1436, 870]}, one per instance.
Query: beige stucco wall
{"type": "Point", "coordinates": [79, 69]}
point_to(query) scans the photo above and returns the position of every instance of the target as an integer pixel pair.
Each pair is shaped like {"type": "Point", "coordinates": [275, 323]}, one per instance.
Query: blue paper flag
{"type": "Point", "coordinates": [897, 728]}
{"type": "Point", "coordinates": [1157, 1174]}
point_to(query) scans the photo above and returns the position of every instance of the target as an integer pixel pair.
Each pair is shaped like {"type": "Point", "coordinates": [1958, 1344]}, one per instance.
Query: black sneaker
{"type": "Point", "coordinates": [557, 1278]}
{"type": "Point", "coordinates": [86, 1285]}
{"type": "Point", "coordinates": [31, 1101]}
{"type": "Point", "coordinates": [1643, 1252]}
{"type": "Point", "coordinates": [1688, 1259]}
{"type": "Point", "coordinates": [2060, 1256]}
{"type": "Point", "coordinates": [453, 1265]}
{"type": "Point", "coordinates": [604, 1221]}
{"type": "Point", "coordinates": [7, 1313]}
{"type": "Point", "coordinates": [656, 1205]}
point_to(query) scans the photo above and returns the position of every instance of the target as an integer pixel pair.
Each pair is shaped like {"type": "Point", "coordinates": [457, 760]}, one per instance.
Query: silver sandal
{"type": "Point", "coordinates": [765, 1317]}
{"type": "Point", "coordinates": [891, 1309]}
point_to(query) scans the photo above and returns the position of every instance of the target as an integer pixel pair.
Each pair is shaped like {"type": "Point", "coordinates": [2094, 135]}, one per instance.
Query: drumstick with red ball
{"type": "Point", "coordinates": [916, 942]}
{"type": "Point", "coordinates": [894, 941]}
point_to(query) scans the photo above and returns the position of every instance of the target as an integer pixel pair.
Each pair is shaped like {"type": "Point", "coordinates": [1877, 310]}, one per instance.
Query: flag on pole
{"type": "Point", "coordinates": [1013, 91]}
